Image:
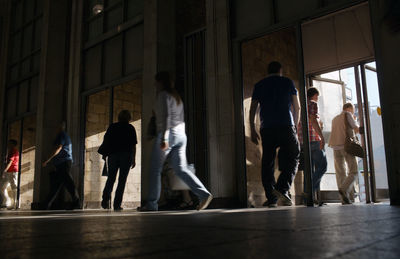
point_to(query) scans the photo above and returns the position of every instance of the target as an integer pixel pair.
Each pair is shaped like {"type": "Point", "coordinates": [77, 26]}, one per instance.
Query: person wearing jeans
{"type": "Point", "coordinates": [171, 142]}
{"type": "Point", "coordinates": [319, 163]}
{"type": "Point", "coordinates": [277, 97]}
{"type": "Point", "coordinates": [119, 146]}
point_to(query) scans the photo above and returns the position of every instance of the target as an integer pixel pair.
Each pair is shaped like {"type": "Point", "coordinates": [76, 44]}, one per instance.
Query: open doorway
{"type": "Point", "coordinates": [338, 61]}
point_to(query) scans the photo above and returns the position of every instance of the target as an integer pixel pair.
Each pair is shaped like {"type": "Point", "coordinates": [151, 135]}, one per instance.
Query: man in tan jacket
{"type": "Point", "coordinates": [336, 142]}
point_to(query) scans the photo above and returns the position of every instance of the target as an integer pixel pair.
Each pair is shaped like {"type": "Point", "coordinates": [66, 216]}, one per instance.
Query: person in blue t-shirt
{"type": "Point", "coordinates": [61, 160]}
{"type": "Point", "coordinates": [279, 105]}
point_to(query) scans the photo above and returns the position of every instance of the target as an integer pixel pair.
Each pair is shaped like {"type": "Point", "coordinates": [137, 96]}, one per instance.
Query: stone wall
{"type": "Point", "coordinates": [256, 55]}
{"type": "Point", "coordinates": [126, 96]}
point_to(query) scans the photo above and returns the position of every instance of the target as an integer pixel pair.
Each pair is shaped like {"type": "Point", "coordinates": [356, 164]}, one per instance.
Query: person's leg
{"type": "Point", "coordinates": [268, 141]}
{"type": "Point", "coordinates": [340, 168]}
{"type": "Point", "coordinates": [351, 162]}
{"type": "Point", "coordinates": [5, 200]}
{"type": "Point", "coordinates": [13, 180]}
{"type": "Point", "coordinates": [56, 184]}
{"type": "Point", "coordinates": [291, 150]}
{"type": "Point", "coordinates": [179, 164]}
{"type": "Point", "coordinates": [65, 172]}
{"type": "Point", "coordinates": [320, 165]}
{"type": "Point", "coordinates": [125, 166]}
{"type": "Point", "coordinates": [113, 165]}
{"type": "Point", "coordinates": [157, 162]}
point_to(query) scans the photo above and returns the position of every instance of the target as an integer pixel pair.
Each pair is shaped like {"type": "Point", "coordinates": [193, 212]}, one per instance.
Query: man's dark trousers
{"type": "Point", "coordinates": [286, 139]}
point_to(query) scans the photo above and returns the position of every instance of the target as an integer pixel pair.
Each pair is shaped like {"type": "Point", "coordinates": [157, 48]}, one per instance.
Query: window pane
{"type": "Point", "coordinates": [11, 103]}
{"type": "Point", "coordinates": [95, 28]}
{"type": "Point", "coordinates": [114, 17]}
{"type": "Point", "coordinates": [29, 10]}
{"type": "Point", "coordinates": [16, 47]}
{"type": "Point", "coordinates": [18, 15]}
{"type": "Point", "coordinates": [28, 161]}
{"type": "Point", "coordinates": [23, 97]}
{"type": "Point", "coordinates": [134, 49]}
{"type": "Point", "coordinates": [36, 62]}
{"type": "Point", "coordinates": [39, 7]}
{"type": "Point", "coordinates": [113, 58]}
{"type": "Point", "coordinates": [135, 7]}
{"type": "Point", "coordinates": [33, 93]}
{"type": "Point", "coordinates": [26, 67]}
{"type": "Point", "coordinates": [14, 73]}
{"type": "Point", "coordinates": [27, 44]}
{"type": "Point", "coordinates": [93, 67]}
{"type": "Point", "coordinates": [38, 34]}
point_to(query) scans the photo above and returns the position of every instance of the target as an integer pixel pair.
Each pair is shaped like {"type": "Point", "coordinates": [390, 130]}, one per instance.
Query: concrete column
{"type": "Point", "coordinates": [220, 101]}
{"type": "Point", "coordinates": [52, 86]}
{"type": "Point", "coordinates": [387, 55]}
{"type": "Point", "coordinates": [5, 7]}
{"type": "Point", "coordinates": [159, 54]}
{"type": "Point", "coordinates": [74, 116]}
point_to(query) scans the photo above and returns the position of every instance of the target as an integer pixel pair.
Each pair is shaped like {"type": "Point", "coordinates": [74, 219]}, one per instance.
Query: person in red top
{"type": "Point", "coordinates": [319, 164]}
{"type": "Point", "coordinates": [10, 176]}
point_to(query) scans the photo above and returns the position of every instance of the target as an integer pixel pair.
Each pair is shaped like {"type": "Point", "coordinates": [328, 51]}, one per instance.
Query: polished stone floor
{"type": "Point", "coordinates": [333, 231]}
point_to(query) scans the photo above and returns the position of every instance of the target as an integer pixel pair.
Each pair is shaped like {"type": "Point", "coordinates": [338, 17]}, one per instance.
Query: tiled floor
{"type": "Point", "coordinates": [367, 231]}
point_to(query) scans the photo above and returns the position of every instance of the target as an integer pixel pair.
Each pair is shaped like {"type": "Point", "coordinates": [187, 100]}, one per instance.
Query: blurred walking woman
{"type": "Point", "coordinates": [171, 141]}
{"type": "Point", "coordinates": [119, 146]}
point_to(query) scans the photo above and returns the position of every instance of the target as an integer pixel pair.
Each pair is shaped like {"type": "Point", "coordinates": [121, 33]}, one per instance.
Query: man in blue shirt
{"type": "Point", "coordinates": [279, 113]}
{"type": "Point", "coordinates": [61, 159]}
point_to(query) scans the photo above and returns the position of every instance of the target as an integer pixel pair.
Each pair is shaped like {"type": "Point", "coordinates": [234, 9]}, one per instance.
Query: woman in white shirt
{"type": "Point", "coordinates": [171, 141]}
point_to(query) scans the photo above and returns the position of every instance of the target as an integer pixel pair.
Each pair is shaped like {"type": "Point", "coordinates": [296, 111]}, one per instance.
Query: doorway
{"type": "Point", "coordinates": [102, 108]}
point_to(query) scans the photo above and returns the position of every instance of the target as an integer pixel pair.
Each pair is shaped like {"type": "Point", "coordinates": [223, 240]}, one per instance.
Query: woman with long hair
{"type": "Point", "coordinates": [171, 141]}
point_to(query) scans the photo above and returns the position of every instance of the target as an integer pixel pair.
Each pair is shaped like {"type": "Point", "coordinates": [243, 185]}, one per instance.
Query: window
{"type": "Point", "coordinates": [24, 57]}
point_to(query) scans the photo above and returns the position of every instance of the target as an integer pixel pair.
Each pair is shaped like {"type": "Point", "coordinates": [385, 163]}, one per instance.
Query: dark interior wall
{"type": "Point", "coordinates": [253, 16]}
{"type": "Point", "coordinates": [190, 16]}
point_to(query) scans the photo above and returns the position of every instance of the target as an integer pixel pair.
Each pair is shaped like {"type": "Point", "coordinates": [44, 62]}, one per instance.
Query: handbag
{"type": "Point", "coordinates": [152, 128]}
{"type": "Point", "coordinates": [352, 145]}
{"type": "Point", "coordinates": [105, 168]}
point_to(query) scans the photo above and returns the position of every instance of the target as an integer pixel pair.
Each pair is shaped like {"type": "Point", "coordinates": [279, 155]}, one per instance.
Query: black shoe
{"type": "Point", "coordinates": [105, 204]}
{"type": "Point", "coordinates": [144, 209]}
{"type": "Point", "coordinates": [272, 204]}
{"type": "Point", "coordinates": [118, 209]}
{"type": "Point", "coordinates": [286, 201]}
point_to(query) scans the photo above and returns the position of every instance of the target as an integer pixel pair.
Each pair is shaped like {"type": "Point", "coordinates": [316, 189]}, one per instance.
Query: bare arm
{"type": "Point", "coordinates": [133, 157]}
{"type": "Point", "coordinates": [8, 166]}
{"type": "Point", "coordinates": [315, 124]}
{"type": "Point", "coordinates": [55, 152]}
{"type": "Point", "coordinates": [253, 109]}
{"type": "Point", "coordinates": [296, 109]}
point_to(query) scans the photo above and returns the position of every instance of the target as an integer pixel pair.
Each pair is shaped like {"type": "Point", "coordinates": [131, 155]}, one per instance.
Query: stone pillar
{"type": "Point", "coordinates": [52, 86]}
{"type": "Point", "coordinates": [74, 116]}
{"type": "Point", "coordinates": [5, 7]}
{"type": "Point", "coordinates": [159, 54]}
{"type": "Point", "coordinates": [387, 40]}
{"type": "Point", "coordinates": [222, 180]}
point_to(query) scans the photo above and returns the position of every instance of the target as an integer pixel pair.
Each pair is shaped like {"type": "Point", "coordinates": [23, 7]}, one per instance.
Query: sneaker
{"type": "Point", "coordinates": [345, 199]}
{"type": "Point", "coordinates": [270, 204]}
{"type": "Point", "coordinates": [286, 201]}
{"type": "Point", "coordinates": [205, 202]}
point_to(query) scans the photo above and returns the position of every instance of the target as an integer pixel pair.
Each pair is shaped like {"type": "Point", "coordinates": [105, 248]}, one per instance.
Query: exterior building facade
{"type": "Point", "coordinates": [83, 61]}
